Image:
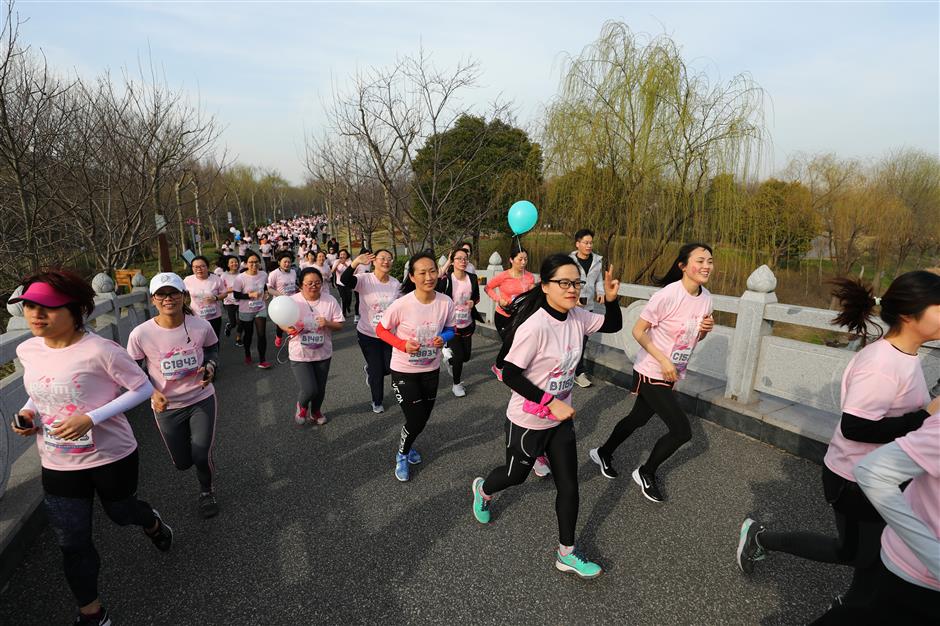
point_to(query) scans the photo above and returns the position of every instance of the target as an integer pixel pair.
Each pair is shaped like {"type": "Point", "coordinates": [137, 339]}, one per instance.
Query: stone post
{"type": "Point", "coordinates": [140, 285]}
{"type": "Point", "coordinates": [744, 351]}
{"type": "Point", "coordinates": [487, 307]}
{"type": "Point", "coordinates": [17, 319]}
{"type": "Point", "coordinates": [107, 323]}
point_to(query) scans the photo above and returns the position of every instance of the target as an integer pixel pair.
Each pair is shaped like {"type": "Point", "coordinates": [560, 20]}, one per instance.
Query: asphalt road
{"type": "Point", "coordinates": [315, 529]}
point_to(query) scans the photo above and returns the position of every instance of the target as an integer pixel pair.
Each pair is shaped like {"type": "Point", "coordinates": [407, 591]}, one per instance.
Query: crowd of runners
{"type": "Point", "coordinates": [881, 473]}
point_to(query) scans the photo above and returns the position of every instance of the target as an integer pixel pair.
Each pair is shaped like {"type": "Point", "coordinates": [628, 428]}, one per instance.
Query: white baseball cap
{"type": "Point", "coordinates": [166, 279]}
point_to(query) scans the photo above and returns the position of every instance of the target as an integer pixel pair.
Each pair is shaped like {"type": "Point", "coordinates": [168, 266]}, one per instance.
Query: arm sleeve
{"type": "Point", "coordinates": [613, 318]}
{"type": "Point", "coordinates": [210, 353]}
{"type": "Point", "coordinates": [448, 333]}
{"type": "Point", "coordinates": [885, 430]}
{"type": "Point", "coordinates": [517, 381]}
{"type": "Point", "coordinates": [124, 402]}
{"type": "Point", "coordinates": [880, 475]}
{"type": "Point", "coordinates": [390, 338]}
{"type": "Point", "coordinates": [30, 406]}
{"type": "Point", "coordinates": [348, 278]}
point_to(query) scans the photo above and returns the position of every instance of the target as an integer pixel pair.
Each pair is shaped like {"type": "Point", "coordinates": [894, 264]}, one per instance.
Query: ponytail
{"type": "Point", "coordinates": [908, 296]}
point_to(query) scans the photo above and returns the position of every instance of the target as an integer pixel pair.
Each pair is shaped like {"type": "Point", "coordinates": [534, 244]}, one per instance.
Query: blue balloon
{"type": "Point", "coordinates": [522, 216]}
{"type": "Point", "coordinates": [238, 237]}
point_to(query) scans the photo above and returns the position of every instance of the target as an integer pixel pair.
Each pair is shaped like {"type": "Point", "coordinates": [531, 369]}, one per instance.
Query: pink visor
{"type": "Point", "coordinates": [42, 294]}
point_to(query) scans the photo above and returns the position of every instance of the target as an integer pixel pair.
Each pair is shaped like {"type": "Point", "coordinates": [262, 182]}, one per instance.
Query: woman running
{"type": "Point", "coordinates": [181, 351]}
{"type": "Point", "coordinates": [884, 395]}
{"type": "Point", "coordinates": [378, 289]}
{"type": "Point", "coordinates": [417, 325]}
{"type": "Point", "coordinates": [463, 288]}
{"type": "Point", "coordinates": [337, 270]}
{"type": "Point", "coordinates": [75, 410]}
{"type": "Point", "coordinates": [311, 345]}
{"type": "Point", "coordinates": [324, 266]}
{"type": "Point", "coordinates": [509, 284]}
{"type": "Point", "coordinates": [251, 294]}
{"type": "Point", "coordinates": [229, 303]}
{"type": "Point", "coordinates": [545, 337]}
{"type": "Point", "coordinates": [309, 260]}
{"type": "Point", "coordinates": [206, 292]}
{"type": "Point", "coordinates": [282, 282]}
{"type": "Point", "coordinates": [671, 324]}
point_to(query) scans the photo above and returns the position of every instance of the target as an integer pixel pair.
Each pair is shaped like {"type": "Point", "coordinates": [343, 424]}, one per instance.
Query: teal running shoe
{"type": "Point", "coordinates": [577, 564]}
{"type": "Point", "coordinates": [481, 507]}
{"type": "Point", "coordinates": [402, 471]}
{"type": "Point", "coordinates": [414, 457]}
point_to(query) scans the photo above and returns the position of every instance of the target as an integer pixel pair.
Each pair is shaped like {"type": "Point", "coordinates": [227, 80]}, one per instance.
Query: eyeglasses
{"type": "Point", "coordinates": [167, 296]}
{"type": "Point", "coordinates": [312, 284]}
{"type": "Point", "coordinates": [566, 284]}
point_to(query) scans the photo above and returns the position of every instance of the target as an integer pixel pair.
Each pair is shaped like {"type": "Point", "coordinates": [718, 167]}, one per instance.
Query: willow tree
{"type": "Point", "coordinates": [634, 138]}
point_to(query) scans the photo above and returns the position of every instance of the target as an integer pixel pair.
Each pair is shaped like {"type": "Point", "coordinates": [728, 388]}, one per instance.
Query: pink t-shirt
{"type": "Point", "coordinates": [73, 381]}
{"type": "Point", "coordinates": [313, 344]}
{"type": "Point", "coordinates": [462, 290]}
{"type": "Point", "coordinates": [338, 268]}
{"type": "Point", "coordinates": [374, 297]}
{"type": "Point", "coordinates": [923, 494]}
{"type": "Point", "coordinates": [548, 351]}
{"type": "Point", "coordinates": [675, 316]}
{"type": "Point", "coordinates": [408, 319]}
{"type": "Point", "coordinates": [880, 381]}
{"type": "Point", "coordinates": [246, 283]}
{"type": "Point", "coordinates": [174, 355]}
{"type": "Point", "coordinates": [283, 282]}
{"type": "Point", "coordinates": [229, 281]}
{"type": "Point", "coordinates": [509, 287]}
{"type": "Point", "coordinates": [203, 293]}
{"type": "Point", "coordinates": [324, 271]}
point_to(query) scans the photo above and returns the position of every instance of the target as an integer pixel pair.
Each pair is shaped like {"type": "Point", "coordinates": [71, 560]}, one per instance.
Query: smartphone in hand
{"type": "Point", "coordinates": [22, 422]}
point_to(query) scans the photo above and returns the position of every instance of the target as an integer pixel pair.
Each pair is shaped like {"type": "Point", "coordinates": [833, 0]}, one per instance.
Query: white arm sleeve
{"type": "Point", "coordinates": [30, 406]}
{"type": "Point", "coordinates": [124, 402]}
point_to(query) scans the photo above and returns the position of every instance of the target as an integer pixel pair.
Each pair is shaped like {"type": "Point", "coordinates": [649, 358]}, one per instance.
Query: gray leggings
{"type": "Point", "coordinates": [311, 378]}
{"type": "Point", "coordinates": [188, 434]}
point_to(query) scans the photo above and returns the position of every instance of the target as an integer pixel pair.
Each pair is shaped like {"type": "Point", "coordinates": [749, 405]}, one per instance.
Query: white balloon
{"type": "Point", "coordinates": [283, 311]}
{"type": "Point", "coordinates": [232, 229]}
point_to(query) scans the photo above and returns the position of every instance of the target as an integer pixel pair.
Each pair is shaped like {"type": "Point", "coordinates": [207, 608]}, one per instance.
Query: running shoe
{"type": "Point", "coordinates": [497, 372]}
{"type": "Point", "coordinates": [377, 408]}
{"type": "Point", "coordinates": [356, 319]}
{"type": "Point", "coordinates": [208, 507]}
{"type": "Point", "coordinates": [414, 457]}
{"type": "Point", "coordinates": [749, 548]}
{"type": "Point", "coordinates": [648, 486]}
{"type": "Point", "coordinates": [300, 415]}
{"type": "Point", "coordinates": [319, 418]}
{"type": "Point", "coordinates": [264, 365]}
{"type": "Point", "coordinates": [481, 506]}
{"type": "Point", "coordinates": [607, 470]}
{"type": "Point", "coordinates": [101, 618]}
{"type": "Point", "coordinates": [458, 390]}
{"type": "Point", "coordinates": [163, 538]}
{"type": "Point", "coordinates": [541, 467]}
{"type": "Point", "coordinates": [581, 380]}
{"type": "Point", "coordinates": [228, 329]}
{"type": "Point", "coordinates": [247, 360]}
{"type": "Point", "coordinates": [277, 341]}
{"type": "Point", "coordinates": [238, 342]}
{"type": "Point", "coordinates": [402, 471]}
{"type": "Point", "coordinates": [576, 563]}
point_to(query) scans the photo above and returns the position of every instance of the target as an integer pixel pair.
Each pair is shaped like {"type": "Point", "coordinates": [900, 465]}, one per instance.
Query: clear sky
{"type": "Point", "coordinates": [857, 79]}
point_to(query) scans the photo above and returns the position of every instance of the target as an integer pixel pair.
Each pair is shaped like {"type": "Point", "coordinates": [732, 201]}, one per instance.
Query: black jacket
{"type": "Point", "coordinates": [446, 287]}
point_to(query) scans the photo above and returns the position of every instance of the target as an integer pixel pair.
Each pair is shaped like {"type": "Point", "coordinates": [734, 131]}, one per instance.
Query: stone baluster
{"type": "Point", "coordinates": [17, 319]}
{"type": "Point", "coordinates": [487, 307]}
{"type": "Point", "coordinates": [140, 285]}
{"type": "Point", "coordinates": [106, 324]}
{"type": "Point", "coordinates": [750, 328]}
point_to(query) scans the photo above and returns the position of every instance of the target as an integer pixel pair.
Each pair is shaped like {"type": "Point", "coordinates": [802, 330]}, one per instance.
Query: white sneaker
{"type": "Point", "coordinates": [581, 380]}
{"type": "Point", "coordinates": [356, 319]}
{"type": "Point", "coordinates": [378, 408]}
{"type": "Point", "coordinates": [541, 468]}
{"type": "Point", "coordinates": [458, 390]}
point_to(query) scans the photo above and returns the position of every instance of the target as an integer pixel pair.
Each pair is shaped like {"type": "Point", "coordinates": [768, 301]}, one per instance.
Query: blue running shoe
{"type": "Point", "coordinates": [414, 457]}
{"type": "Point", "coordinates": [481, 507]}
{"type": "Point", "coordinates": [402, 471]}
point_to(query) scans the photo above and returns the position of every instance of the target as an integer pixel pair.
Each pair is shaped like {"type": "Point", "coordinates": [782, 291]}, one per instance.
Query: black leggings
{"type": "Point", "coordinates": [345, 295]}
{"type": "Point", "coordinates": [652, 397]}
{"type": "Point", "coordinates": [188, 434]}
{"type": "Point", "coordinates": [216, 326]}
{"type": "Point", "coordinates": [858, 542]}
{"type": "Point", "coordinates": [247, 330]}
{"type": "Point", "coordinates": [523, 446]}
{"type": "Point", "coordinates": [415, 393]}
{"type": "Point", "coordinates": [311, 379]}
{"type": "Point", "coordinates": [461, 346]}
{"type": "Point", "coordinates": [232, 310]}
{"type": "Point", "coordinates": [501, 322]}
{"type": "Point", "coordinates": [69, 501]}
{"type": "Point", "coordinates": [378, 356]}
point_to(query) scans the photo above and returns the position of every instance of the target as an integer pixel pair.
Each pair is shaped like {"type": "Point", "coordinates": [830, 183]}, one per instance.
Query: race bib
{"type": "Point", "coordinates": [255, 305]}
{"type": "Point", "coordinates": [462, 317]}
{"type": "Point", "coordinates": [205, 309]}
{"type": "Point", "coordinates": [560, 386]}
{"type": "Point", "coordinates": [290, 289]}
{"type": "Point", "coordinates": [82, 445]}
{"type": "Point", "coordinates": [179, 365]}
{"type": "Point", "coordinates": [424, 356]}
{"type": "Point", "coordinates": [681, 354]}
{"type": "Point", "coordinates": [377, 318]}
{"type": "Point", "coordinates": [311, 339]}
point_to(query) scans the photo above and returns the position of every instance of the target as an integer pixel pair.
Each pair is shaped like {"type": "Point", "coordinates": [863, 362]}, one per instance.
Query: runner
{"type": "Point", "coordinates": [378, 289]}
{"type": "Point", "coordinates": [592, 270]}
{"type": "Point", "coordinates": [251, 294]}
{"type": "Point", "coordinates": [361, 269]}
{"type": "Point", "coordinates": [464, 289]}
{"type": "Point", "coordinates": [337, 271]}
{"type": "Point", "coordinates": [181, 352]}
{"type": "Point", "coordinates": [282, 282]}
{"type": "Point", "coordinates": [75, 410]}
{"type": "Point", "coordinates": [230, 304]}
{"type": "Point", "coordinates": [510, 284]}
{"type": "Point", "coordinates": [672, 323]}
{"type": "Point", "coordinates": [884, 393]}
{"type": "Point", "coordinates": [309, 260]}
{"type": "Point", "coordinates": [323, 265]}
{"type": "Point", "coordinates": [544, 336]}
{"type": "Point", "coordinates": [206, 291]}
{"type": "Point", "coordinates": [417, 325]}
{"type": "Point", "coordinates": [311, 345]}
{"type": "Point", "coordinates": [266, 257]}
